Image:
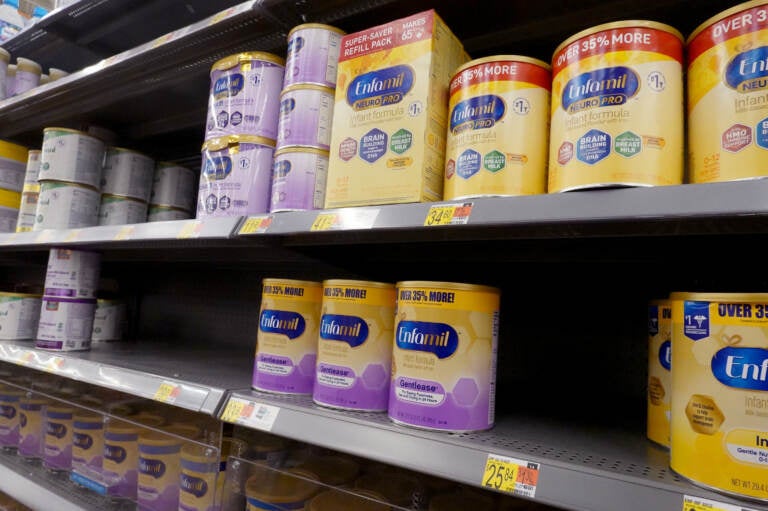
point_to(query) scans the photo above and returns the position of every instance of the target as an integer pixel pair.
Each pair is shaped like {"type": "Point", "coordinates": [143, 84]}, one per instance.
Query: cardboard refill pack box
{"type": "Point", "coordinates": [390, 113]}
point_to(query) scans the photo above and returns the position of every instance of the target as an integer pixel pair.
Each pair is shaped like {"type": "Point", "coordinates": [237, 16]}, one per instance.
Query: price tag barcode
{"type": "Point", "coordinates": [510, 475]}
{"type": "Point", "coordinates": [245, 412]}
{"type": "Point", "coordinates": [325, 222]}
{"type": "Point", "coordinates": [451, 214]}
{"type": "Point", "coordinates": [167, 392]}
{"type": "Point", "coordinates": [256, 224]}
{"type": "Point", "coordinates": [691, 503]}
{"type": "Point", "coordinates": [190, 230]}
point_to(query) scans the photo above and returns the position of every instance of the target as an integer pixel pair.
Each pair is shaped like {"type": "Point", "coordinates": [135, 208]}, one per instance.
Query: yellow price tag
{"type": "Point", "coordinates": [167, 392]}
{"type": "Point", "coordinates": [124, 233]}
{"type": "Point", "coordinates": [255, 224]}
{"type": "Point", "coordinates": [72, 235]}
{"type": "Point", "coordinates": [233, 410]}
{"type": "Point", "coordinates": [691, 503]}
{"type": "Point", "coordinates": [190, 230]}
{"type": "Point", "coordinates": [439, 215]}
{"type": "Point", "coordinates": [27, 358]}
{"type": "Point", "coordinates": [324, 221]}
{"type": "Point", "coordinates": [500, 475]}
{"type": "Point", "coordinates": [44, 236]}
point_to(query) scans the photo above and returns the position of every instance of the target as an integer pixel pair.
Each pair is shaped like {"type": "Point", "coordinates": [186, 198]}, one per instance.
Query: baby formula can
{"type": "Point", "coordinates": [197, 481]}
{"type": "Point", "coordinates": [444, 356]}
{"type": "Point", "coordinates": [13, 164]}
{"type": "Point", "coordinates": [245, 95]}
{"type": "Point", "coordinates": [9, 417]}
{"type": "Point", "coordinates": [719, 391]}
{"type": "Point", "coordinates": [306, 113]}
{"type": "Point", "coordinates": [71, 156]}
{"type": "Point", "coordinates": [10, 81]}
{"type": "Point", "coordinates": [336, 500]}
{"type": "Point", "coordinates": [617, 108]}
{"type": "Point", "coordinates": [286, 342]}
{"type": "Point", "coordinates": [159, 471]}
{"type": "Point", "coordinates": [165, 213]}
{"type": "Point", "coordinates": [87, 446]}
{"type": "Point", "coordinates": [5, 59]}
{"type": "Point", "coordinates": [659, 367]}
{"type": "Point", "coordinates": [235, 177]}
{"type": "Point", "coordinates": [498, 128]}
{"type": "Point", "coordinates": [109, 320]}
{"type": "Point", "coordinates": [267, 489]}
{"type": "Point", "coordinates": [9, 210]}
{"type": "Point", "coordinates": [727, 82]}
{"type": "Point", "coordinates": [63, 205]}
{"type": "Point", "coordinates": [19, 315]}
{"type": "Point", "coordinates": [32, 168]}
{"type": "Point", "coordinates": [128, 173]}
{"type": "Point", "coordinates": [32, 427]}
{"type": "Point", "coordinates": [121, 210]}
{"type": "Point", "coordinates": [65, 324]}
{"type": "Point", "coordinates": [174, 186]}
{"type": "Point", "coordinates": [72, 273]}
{"type": "Point", "coordinates": [298, 179]}
{"type": "Point", "coordinates": [27, 75]}
{"type": "Point", "coordinates": [56, 73]}
{"type": "Point", "coordinates": [121, 459]}
{"type": "Point", "coordinates": [354, 353]}
{"type": "Point", "coordinates": [57, 450]}
{"type": "Point", "coordinates": [25, 221]}
{"type": "Point", "coordinates": [313, 54]}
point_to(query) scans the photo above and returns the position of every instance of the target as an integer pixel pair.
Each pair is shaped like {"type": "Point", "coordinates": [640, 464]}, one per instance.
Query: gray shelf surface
{"type": "Point", "coordinates": [38, 488]}
{"type": "Point", "coordinates": [143, 369]}
{"type": "Point", "coordinates": [582, 468]}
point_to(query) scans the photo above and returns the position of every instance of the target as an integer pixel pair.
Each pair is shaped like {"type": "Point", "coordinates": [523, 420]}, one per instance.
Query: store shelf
{"type": "Point", "coordinates": [711, 208]}
{"type": "Point", "coordinates": [591, 468]}
{"type": "Point", "coordinates": [179, 375]}
{"type": "Point", "coordinates": [37, 488]}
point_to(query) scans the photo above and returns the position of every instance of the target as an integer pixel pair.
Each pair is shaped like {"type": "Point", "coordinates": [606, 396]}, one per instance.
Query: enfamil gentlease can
{"type": "Point", "coordinates": [659, 371]}
{"type": "Point", "coordinates": [617, 108]}
{"type": "Point", "coordinates": [444, 356]}
{"type": "Point", "coordinates": [498, 128]}
{"type": "Point", "coordinates": [728, 95]}
{"type": "Point", "coordinates": [719, 428]}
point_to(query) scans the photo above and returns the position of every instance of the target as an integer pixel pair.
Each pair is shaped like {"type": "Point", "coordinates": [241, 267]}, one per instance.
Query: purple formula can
{"type": "Point", "coordinates": [313, 54]}
{"type": "Point", "coordinates": [235, 176]}
{"type": "Point", "coordinates": [65, 324]}
{"type": "Point", "coordinates": [298, 179]}
{"type": "Point", "coordinates": [72, 273]}
{"type": "Point", "coordinates": [245, 95]}
{"type": "Point", "coordinates": [57, 446]}
{"type": "Point", "coordinates": [9, 417]}
{"type": "Point", "coordinates": [32, 427]}
{"type": "Point", "coordinates": [306, 114]}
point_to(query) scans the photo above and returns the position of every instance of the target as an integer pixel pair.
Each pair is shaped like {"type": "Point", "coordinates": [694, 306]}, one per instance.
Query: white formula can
{"type": "Point", "coordinates": [306, 113]}
{"type": "Point", "coordinates": [71, 156]}
{"type": "Point", "coordinates": [120, 210]}
{"type": "Point", "coordinates": [27, 75]}
{"type": "Point", "coordinates": [32, 170]}
{"type": "Point", "coordinates": [28, 208]}
{"type": "Point", "coordinates": [5, 59]}
{"type": "Point", "coordinates": [13, 158]}
{"type": "Point", "coordinates": [19, 315]}
{"type": "Point", "coordinates": [165, 213]}
{"type": "Point", "coordinates": [109, 320]}
{"type": "Point", "coordinates": [65, 324]}
{"type": "Point", "coordinates": [235, 176]}
{"type": "Point", "coordinates": [313, 54]}
{"type": "Point", "coordinates": [66, 206]}
{"type": "Point", "coordinates": [128, 173]}
{"type": "Point", "coordinates": [72, 273]}
{"type": "Point", "coordinates": [298, 179]}
{"type": "Point", "coordinates": [174, 186]}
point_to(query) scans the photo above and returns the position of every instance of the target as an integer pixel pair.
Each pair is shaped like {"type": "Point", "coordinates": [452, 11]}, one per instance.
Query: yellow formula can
{"type": "Point", "coordinates": [617, 108]}
{"type": "Point", "coordinates": [354, 351]}
{"type": "Point", "coordinates": [269, 489]}
{"type": "Point", "coordinates": [498, 128]}
{"type": "Point", "coordinates": [728, 95]}
{"type": "Point", "coordinates": [197, 481]}
{"type": "Point", "coordinates": [121, 459]}
{"type": "Point", "coordinates": [159, 471]}
{"type": "Point", "coordinates": [444, 355]}
{"type": "Point", "coordinates": [719, 437]}
{"type": "Point", "coordinates": [87, 446]}
{"type": "Point", "coordinates": [286, 343]}
{"type": "Point", "coordinates": [659, 367]}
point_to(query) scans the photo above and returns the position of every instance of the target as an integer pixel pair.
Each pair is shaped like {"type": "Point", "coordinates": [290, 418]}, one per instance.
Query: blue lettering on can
{"type": "Point", "coordinates": [194, 485]}
{"type": "Point", "coordinates": [229, 85]}
{"type": "Point", "coordinates": [217, 167]}
{"type": "Point", "coordinates": [748, 71]}
{"type": "Point", "coordinates": [288, 323]}
{"type": "Point", "coordinates": [379, 88]}
{"type": "Point", "coordinates": [478, 112]}
{"type": "Point", "coordinates": [741, 368]}
{"type": "Point", "coordinates": [696, 320]}
{"type": "Point", "coordinates": [350, 329]}
{"type": "Point", "coordinates": [609, 86]}
{"type": "Point", "coordinates": [665, 355]}
{"type": "Point", "coordinates": [437, 338]}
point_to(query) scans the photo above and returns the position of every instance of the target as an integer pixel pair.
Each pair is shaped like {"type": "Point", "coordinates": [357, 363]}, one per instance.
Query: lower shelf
{"type": "Point", "coordinates": [37, 488]}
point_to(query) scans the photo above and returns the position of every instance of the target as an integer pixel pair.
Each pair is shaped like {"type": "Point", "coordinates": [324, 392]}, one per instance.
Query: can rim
{"type": "Point", "coordinates": [232, 60]}
{"type": "Point", "coordinates": [42, 182]}
{"type": "Point", "coordinates": [30, 65]}
{"type": "Point", "coordinates": [501, 58]}
{"type": "Point", "coordinates": [71, 130]}
{"type": "Point", "coordinates": [307, 86]}
{"type": "Point", "coordinates": [302, 149]}
{"type": "Point", "coordinates": [722, 15]}
{"type": "Point", "coordinates": [449, 285]}
{"type": "Point", "coordinates": [297, 282]}
{"type": "Point", "coordinates": [304, 26]}
{"type": "Point", "coordinates": [124, 197]}
{"type": "Point", "coordinates": [356, 282]}
{"type": "Point", "coordinates": [219, 143]}
{"type": "Point", "coordinates": [619, 24]}
{"type": "Point", "coordinates": [717, 297]}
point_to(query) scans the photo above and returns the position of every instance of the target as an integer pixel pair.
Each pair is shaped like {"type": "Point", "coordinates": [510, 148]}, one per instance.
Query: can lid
{"type": "Point", "coordinates": [48, 184]}
{"type": "Point", "coordinates": [450, 285]}
{"type": "Point", "coordinates": [114, 197]}
{"type": "Point", "coordinates": [301, 149]}
{"type": "Point", "coordinates": [308, 86]}
{"type": "Point", "coordinates": [68, 130]}
{"type": "Point", "coordinates": [5, 55]}
{"type": "Point", "coordinates": [305, 26]}
{"type": "Point", "coordinates": [719, 297]}
{"type": "Point", "coordinates": [619, 24]}
{"type": "Point", "coordinates": [238, 58]}
{"type": "Point", "coordinates": [219, 143]}
{"type": "Point", "coordinates": [503, 58]}
{"type": "Point", "coordinates": [360, 283]}
{"type": "Point", "coordinates": [23, 64]}
{"type": "Point", "coordinates": [56, 73]}
{"type": "Point", "coordinates": [291, 282]}
{"type": "Point", "coordinates": [722, 15]}
{"type": "Point", "coordinates": [13, 151]}
{"type": "Point", "coordinates": [11, 71]}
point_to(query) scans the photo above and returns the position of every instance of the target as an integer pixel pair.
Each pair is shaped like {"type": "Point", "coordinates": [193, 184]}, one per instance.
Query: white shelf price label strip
{"type": "Point", "coordinates": [511, 475]}
{"type": "Point", "coordinates": [249, 413]}
{"type": "Point", "coordinates": [691, 503]}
